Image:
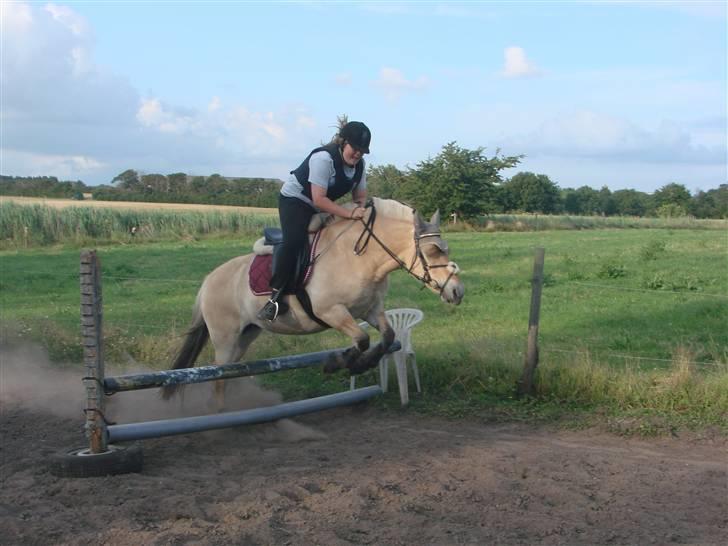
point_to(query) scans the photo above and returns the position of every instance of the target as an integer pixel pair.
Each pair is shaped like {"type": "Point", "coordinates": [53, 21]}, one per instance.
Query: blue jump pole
{"type": "Point", "coordinates": [185, 425]}
{"type": "Point", "coordinates": [135, 382]}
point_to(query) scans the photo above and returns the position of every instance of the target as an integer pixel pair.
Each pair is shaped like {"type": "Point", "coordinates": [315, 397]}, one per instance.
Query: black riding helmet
{"type": "Point", "coordinates": [357, 134]}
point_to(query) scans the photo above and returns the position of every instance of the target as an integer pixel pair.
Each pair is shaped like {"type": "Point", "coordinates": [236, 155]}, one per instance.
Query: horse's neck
{"type": "Point", "coordinates": [397, 235]}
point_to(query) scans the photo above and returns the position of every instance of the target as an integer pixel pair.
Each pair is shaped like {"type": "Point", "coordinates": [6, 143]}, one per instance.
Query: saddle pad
{"type": "Point", "coordinates": [261, 270]}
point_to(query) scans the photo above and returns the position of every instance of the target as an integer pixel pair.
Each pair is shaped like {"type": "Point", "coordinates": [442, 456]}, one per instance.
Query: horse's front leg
{"type": "Point", "coordinates": [371, 357]}
{"type": "Point", "coordinates": [338, 317]}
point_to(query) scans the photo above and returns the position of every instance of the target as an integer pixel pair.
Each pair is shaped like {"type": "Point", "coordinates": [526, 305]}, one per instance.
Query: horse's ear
{"type": "Point", "coordinates": [435, 220]}
{"type": "Point", "coordinates": [419, 223]}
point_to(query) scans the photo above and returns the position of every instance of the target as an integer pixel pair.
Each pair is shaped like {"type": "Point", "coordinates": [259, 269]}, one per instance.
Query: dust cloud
{"type": "Point", "coordinates": [29, 380]}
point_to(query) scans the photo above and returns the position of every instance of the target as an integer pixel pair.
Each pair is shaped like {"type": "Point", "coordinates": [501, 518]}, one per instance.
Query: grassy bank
{"type": "Point", "coordinates": [633, 322]}
{"type": "Point", "coordinates": [27, 224]}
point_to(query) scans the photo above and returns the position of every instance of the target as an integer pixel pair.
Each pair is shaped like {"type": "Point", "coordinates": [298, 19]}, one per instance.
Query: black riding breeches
{"type": "Point", "coordinates": [295, 216]}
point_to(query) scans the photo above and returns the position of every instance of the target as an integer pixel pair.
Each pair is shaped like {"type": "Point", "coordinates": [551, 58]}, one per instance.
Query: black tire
{"type": "Point", "coordinates": [81, 463]}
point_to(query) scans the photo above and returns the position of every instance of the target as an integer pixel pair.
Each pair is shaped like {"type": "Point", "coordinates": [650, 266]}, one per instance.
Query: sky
{"type": "Point", "coordinates": [616, 94]}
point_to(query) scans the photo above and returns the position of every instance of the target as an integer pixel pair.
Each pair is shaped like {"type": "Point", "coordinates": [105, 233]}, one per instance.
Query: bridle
{"type": "Point", "coordinates": [426, 279]}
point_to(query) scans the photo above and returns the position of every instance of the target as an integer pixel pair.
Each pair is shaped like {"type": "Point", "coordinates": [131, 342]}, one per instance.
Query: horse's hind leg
{"type": "Point", "coordinates": [228, 349]}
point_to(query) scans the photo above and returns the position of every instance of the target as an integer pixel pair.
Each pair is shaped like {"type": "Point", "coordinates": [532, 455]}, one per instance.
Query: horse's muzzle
{"type": "Point", "coordinates": [453, 292]}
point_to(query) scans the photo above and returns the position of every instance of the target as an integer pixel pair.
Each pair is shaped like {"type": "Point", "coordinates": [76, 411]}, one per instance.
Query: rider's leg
{"type": "Point", "coordinates": [295, 216]}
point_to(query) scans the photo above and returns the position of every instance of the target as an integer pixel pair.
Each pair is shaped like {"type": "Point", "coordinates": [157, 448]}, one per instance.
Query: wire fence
{"type": "Point", "coordinates": [55, 311]}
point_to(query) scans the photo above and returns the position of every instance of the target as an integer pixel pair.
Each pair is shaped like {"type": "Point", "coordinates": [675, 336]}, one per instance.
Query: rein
{"type": "Point", "coordinates": [426, 279]}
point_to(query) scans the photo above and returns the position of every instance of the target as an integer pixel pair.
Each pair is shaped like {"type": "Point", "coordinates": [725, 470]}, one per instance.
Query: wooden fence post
{"type": "Point", "coordinates": [93, 353]}
{"type": "Point", "coordinates": [526, 384]}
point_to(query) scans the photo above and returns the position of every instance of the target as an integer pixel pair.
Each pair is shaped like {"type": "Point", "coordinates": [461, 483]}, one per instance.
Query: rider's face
{"type": "Point", "coordinates": [351, 154]}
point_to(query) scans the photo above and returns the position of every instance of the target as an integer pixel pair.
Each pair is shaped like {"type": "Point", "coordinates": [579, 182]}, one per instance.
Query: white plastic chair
{"type": "Point", "coordinates": [402, 321]}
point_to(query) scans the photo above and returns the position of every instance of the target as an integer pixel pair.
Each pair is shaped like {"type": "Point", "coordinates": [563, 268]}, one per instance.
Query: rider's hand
{"type": "Point", "coordinates": [357, 213]}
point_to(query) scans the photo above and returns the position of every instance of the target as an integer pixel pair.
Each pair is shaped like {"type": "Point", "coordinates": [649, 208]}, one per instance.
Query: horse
{"type": "Point", "coordinates": [349, 281]}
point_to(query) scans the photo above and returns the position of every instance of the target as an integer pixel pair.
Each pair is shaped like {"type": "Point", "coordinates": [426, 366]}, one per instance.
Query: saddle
{"type": "Point", "coordinates": [268, 247]}
{"type": "Point", "coordinates": [267, 250]}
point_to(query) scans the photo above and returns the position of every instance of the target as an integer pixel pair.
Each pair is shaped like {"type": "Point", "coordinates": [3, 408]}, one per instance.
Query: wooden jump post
{"type": "Point", "coordinates": [93, 356]}
{"type": "Point", "coordinates": [526, 383]}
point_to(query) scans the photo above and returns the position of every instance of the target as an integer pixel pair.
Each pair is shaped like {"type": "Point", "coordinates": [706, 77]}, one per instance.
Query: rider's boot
{"type": "Point", "coordinates": [273, 307]}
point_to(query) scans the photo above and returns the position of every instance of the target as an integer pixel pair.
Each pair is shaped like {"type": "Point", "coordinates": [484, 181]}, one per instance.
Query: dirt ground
{"type": "Point", "coordinates": [354, 475]}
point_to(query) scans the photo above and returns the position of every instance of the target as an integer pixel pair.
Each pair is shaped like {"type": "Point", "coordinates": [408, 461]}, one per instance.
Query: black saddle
{"type": "Point", "coordinates": [274, 237]}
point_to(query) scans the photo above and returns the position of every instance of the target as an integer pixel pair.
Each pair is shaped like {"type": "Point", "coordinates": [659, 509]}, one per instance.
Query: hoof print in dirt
{"type": "Point", "coordinates": [81, 463]}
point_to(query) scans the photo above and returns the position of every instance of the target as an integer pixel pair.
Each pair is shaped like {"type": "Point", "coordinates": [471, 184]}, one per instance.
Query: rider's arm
{"type": "Point", "coordinates": [321, 202]}
{"type": "Point", "coordinates": [360, 196]}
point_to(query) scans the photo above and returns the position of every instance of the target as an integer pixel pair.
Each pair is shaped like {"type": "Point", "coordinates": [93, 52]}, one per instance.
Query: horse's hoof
{"type": "Point", "coordinates": [332, 365]}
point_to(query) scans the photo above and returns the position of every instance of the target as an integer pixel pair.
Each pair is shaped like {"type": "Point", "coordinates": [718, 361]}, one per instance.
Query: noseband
{"type": "Point", "coordinates": [426, 279]}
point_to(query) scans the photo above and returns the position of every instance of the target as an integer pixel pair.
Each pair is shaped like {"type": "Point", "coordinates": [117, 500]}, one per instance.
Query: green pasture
{"type": "Point", "coordinates": [633, 333]}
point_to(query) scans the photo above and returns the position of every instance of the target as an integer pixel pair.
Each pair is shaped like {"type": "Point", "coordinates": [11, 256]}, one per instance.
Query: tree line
{"type": "Point", "coordinates": [42, 186]}
{"type": "Point", "coordinates": [182, 188]}
{"type": "Point", "coordinates": [458, 180]}
{"type": "Point", "coordinates": [470, 184]}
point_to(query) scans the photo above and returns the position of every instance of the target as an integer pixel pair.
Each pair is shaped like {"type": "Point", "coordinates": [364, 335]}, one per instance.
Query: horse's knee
{"type": "Point", "coordinates": [338, 361]}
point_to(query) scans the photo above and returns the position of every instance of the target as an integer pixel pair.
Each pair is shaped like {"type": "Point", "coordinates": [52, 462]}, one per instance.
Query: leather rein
{"type": "Point", "coordinates": [426, 279]}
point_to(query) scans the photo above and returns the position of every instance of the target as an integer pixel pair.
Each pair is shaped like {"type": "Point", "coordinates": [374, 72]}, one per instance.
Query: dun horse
{"type": "Point", "coordinates": [349, 282]}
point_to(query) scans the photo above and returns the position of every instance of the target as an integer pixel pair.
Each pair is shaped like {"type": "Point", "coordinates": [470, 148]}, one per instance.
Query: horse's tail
{"type": "Point", "coordinates": [195, 341]}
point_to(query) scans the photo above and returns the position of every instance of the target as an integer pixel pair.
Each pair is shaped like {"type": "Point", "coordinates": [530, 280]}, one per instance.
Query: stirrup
{"type": "Point", "coordinates": [270, 311]}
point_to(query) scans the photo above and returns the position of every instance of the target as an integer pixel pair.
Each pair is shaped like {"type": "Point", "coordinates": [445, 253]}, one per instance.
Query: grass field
{"type": "Point", "coordinates": [633, 322]}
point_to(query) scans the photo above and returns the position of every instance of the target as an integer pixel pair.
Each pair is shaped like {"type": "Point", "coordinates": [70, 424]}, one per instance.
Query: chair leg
{"type": "Point", "coordinates": [416, 372]}
{"type": "Point", "coordinates": [401, 365]}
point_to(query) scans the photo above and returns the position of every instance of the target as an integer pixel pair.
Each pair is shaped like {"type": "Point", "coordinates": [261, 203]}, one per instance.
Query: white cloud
{"type": "Point", "coordinates": [517, 65]}
{"type": "Point", "coordinates": [64, 115]}
{"type": "Point", "coordinates": [394, 84]}
{"type": "Point", "coordinates": [589, 134]}
{"type": "Point", "coordinates": [343, 79]}
{"type": "Point", "coordinates": [152, 113]}
{"type": "Point", "coordinates": [214, 104]}
{"type": "Point", "coordinates": [65, 167]}
{"type": "Point", "coordinates": [68, 18]}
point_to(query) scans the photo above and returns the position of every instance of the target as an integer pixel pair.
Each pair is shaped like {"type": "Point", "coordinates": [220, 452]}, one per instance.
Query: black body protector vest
{"type": "Point", "coordinates": [342, 185]}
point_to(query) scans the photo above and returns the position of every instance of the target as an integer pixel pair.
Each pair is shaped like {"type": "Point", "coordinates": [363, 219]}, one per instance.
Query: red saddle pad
{"type": "Point", "coordinates": [260, 270]}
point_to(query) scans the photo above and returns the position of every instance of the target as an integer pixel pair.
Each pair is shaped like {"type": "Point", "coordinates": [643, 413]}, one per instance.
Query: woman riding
{"type": "Point", "coordinates": [328, 173]}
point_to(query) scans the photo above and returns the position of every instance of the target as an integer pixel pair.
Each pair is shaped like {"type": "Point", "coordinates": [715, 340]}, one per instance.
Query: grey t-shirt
{"type": "Point", "coordinates": [321, 173]}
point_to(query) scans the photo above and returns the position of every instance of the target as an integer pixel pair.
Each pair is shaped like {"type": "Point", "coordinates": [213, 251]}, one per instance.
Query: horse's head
{"type": "Point", "coordinates": [437, 271]}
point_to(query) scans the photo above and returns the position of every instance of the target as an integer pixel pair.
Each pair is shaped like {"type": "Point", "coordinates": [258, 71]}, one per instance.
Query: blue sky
{"type": "Point", "coordinates": [627, 95]}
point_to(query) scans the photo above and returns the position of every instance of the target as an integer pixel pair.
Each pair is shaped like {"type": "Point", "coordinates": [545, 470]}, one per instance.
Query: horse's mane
{"type": "Point", "coordinates": [386, 207]}
{"type": "Point", "coordinates": [393, 209]}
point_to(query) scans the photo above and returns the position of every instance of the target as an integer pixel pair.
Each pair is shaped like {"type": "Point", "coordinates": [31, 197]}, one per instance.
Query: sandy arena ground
{"type": "Point", "coordinates": [348, 476]}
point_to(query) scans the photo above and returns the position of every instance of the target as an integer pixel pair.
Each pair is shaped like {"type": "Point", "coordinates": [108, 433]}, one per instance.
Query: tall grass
{"type": "Point", "coordinates": [540, 222]}
{"type": "Point", "coordinates": [24, 226]}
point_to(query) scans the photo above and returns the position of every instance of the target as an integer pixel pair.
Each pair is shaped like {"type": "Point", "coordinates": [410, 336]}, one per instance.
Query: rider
{"type": "Point", "coordinates": [329, 172]}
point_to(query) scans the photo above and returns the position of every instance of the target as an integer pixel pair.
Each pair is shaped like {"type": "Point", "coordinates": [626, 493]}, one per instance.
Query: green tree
{"type": "Point", "coordinates": [154, 183]}
{"type": "Point", "coordinates": [386, 181]}
{"type": "Point", "coordinates": [584, 201]}
{"type": "Point", "coordinates": [631, 202]}
{"type": "Point", "coordinates": [457, 180]}
{"type": "Point", "coordinates": [672, 194]}
{"type": "Point", "coordinates": [128, 180]}
{"type": "Point", "coordinates": [710, 204]}
{"type": "Point", "coordinates": [176, 183]}
{"type": "Point", "coordinates": [531, 192]}
{"type": "Point", "coordinates": [607, 206]}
